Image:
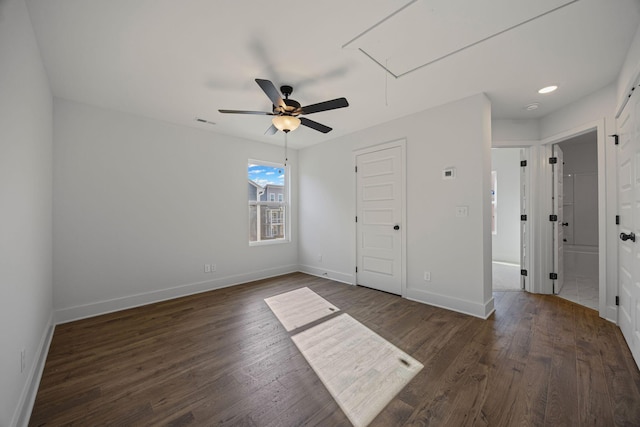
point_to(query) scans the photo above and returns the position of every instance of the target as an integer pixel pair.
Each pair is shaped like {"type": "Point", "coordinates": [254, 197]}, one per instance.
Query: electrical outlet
{"type": "Point", "coordinates": [207, 268]}
{"type": "Point", "coordinates": [427, 276]}
{"type": "Point", "coordinates": [213, 268]}
{"type": "Point", "coordinates": [23, 360]}
{"type": "Point", "coordinates": [320, 258]}
{"type": "Point", "coordinates": [462, 211]}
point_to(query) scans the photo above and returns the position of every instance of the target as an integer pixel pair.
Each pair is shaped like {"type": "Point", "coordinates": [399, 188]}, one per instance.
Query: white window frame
{"type": "Point", "coordinates": [286, 203]}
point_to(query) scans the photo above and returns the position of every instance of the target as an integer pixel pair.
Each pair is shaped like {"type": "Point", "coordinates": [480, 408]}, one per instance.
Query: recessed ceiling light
{"type": "Point", "coordinates": [531, 107]}
{"type": "Point", "coordinates": [548, 89]}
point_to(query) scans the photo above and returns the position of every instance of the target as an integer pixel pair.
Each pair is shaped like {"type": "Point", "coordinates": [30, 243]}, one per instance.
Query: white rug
{"type": "Point", "coordinates": [298, 308]}
{"type": "Point", "coordinates": [361, 370]}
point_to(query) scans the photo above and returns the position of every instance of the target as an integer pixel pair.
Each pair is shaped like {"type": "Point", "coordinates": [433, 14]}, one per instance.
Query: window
{"type": "Point", "coordinates": [268, 202]}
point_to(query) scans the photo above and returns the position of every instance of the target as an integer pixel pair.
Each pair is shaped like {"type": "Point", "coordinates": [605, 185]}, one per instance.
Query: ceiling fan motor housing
{"type": "Point", "coordinates": [286, 90]}
{"type": "Point", "coordinates": [292, 108]}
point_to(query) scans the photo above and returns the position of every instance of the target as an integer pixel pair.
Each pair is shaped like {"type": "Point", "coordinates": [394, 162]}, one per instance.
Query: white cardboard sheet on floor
{"type": "Point", "coordinates": [298, 308]}
{"type": "Point", "coordinates": [362, 371]}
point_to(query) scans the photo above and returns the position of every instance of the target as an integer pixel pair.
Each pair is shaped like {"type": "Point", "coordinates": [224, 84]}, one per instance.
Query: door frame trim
{"type": "Point", "coordinates": [402, 144]}
{"type": "Point", "coordinates": [545, 205]}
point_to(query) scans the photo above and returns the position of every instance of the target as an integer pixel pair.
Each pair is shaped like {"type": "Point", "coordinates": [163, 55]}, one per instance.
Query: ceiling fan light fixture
{"type": "Point", "coordinates": [286, 123]}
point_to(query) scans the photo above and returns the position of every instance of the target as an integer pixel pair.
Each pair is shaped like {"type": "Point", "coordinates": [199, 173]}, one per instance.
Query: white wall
{"type": "Point", "coordinates": [596, 106]}
{"type": "Point", "coordinates": [457, 251]}
{"type": "Point", "coordinates": [25, 212]}
{"type": "Point", "coordinates": [506, 242]}
{"type": "Point", "coordinates": [141, 205]}
{"type": "Point", "coordinates": [507, 133]}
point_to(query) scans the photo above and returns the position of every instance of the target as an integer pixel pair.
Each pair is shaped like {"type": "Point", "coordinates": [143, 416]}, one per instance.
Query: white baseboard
{"type": "Point", "coordinates": [28, 397]}
{"type": "Point", "coordinates": [483, 311]}
{"type": "Point", "coordinates": [70, 314]}
{"type": "Point", "coordinates": [328, 274]}
{"type": "Point", "coordinates": [611, 314]}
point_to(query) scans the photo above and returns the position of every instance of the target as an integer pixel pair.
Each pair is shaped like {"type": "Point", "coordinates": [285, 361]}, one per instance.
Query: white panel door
{"type": "Point", "coordinates": [558, 233]}
{"type": "Point", "coordinates": [379, 213]}
{"type": "Point", "coordinates": [629, 209]}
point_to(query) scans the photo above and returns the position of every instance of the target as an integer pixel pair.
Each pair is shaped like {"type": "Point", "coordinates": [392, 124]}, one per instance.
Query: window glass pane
{"type": "Point", "coordinates": [267, 202]}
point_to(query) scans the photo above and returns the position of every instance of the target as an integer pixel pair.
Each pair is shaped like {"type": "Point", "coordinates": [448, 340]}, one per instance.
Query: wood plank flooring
{"type": "Point", "coordinates": [222, 358]}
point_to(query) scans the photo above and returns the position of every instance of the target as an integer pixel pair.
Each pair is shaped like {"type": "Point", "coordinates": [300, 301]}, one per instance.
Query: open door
{"type": "Point", "coordinates": [558, 223]}
{"type": "Point", "coordinates": [629, 210]}
{"type": "Point", "coordinates": [524, 221]}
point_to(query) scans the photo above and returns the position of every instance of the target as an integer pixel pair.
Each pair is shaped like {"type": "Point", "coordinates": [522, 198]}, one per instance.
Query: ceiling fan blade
{"type": "Point", "coordinates": [261, 113]}
{"type": "Point", "coordinates": [271, 92]}
{"type": "Point", "coordinates": [324, 106]}
{"type": "Point", "coordinates": [315, 125]}
{"type": "Point", "coordinates": [271, 130]}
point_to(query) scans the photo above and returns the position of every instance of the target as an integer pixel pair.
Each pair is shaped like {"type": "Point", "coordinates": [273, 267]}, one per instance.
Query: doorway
{"type": "Point", "coordinates": [579, 225]}
{"type": "Point", "coordinates": [506, 218]}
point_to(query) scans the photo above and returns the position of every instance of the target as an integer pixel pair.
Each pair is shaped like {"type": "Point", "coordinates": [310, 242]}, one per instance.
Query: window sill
{"type": "Point", "coordinates": [270, 242]}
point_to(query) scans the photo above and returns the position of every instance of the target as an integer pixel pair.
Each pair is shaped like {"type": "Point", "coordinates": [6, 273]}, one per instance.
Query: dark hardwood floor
{"type": "Point", "coordinates": [222, 358]}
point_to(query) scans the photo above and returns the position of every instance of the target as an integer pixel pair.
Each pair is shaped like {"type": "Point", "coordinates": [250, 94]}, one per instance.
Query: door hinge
{"type": "Point", "coordinates": [356, 268]}
{"type": "Point", "coordinates": [523, 217]}
{"type": "Point", "coordinates": [553, 276]}
{"type": "Point", "coordinates": [553, 160]}
{"type": "Point", "coordinates": [617, 300]}
{"type": "Point", "coordinates": [524, 272]}
{"type": "Point", "coordinates": [617, 219]}
{"type": "Point", "coordinates": [356, 169]}
{"type": "Point", "coordinates": [356, 218]}
{"type": "Point", "coordinates": [553, 218]}
{"type": "Point", "coordinates": [523, 163]}
{"type": "Point", "coordinates": [616, 138]}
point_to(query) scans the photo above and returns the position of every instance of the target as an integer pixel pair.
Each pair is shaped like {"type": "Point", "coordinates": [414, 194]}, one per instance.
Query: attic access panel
{"type": "Point", "coordinates": [425, 31]}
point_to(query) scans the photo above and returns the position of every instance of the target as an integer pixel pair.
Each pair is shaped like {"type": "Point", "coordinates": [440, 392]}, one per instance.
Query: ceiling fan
{"type": "Point", "coordinates": [286, 111]}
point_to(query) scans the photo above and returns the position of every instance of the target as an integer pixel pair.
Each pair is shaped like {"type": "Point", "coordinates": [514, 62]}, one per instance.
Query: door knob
{"type": "Point", "coordinates": [630, 236]}
{"type": "Point", "coordinates": [565, 224]}
{"type": "Point", "coordinates": [396, 227]}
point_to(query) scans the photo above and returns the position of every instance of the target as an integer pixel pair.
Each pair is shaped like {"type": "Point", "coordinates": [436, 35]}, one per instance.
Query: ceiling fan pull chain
{"type": "Point", "coordinates": [286, 159]}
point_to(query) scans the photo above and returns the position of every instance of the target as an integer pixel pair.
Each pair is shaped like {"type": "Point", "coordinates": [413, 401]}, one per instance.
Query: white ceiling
{"type": "Point", "coordinates": [178, 60]}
